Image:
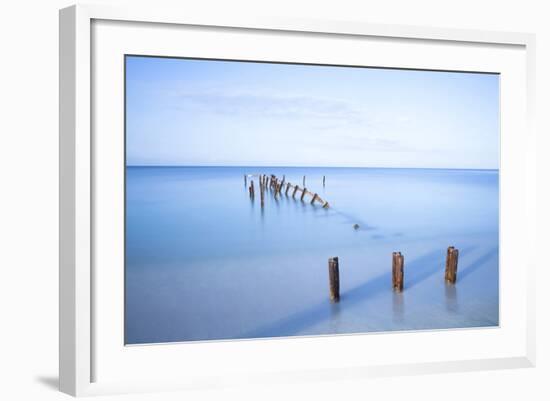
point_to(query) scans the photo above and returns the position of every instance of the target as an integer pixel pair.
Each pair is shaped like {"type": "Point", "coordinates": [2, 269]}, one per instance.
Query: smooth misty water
{"type": "Point", "coordinates": [205, 262]}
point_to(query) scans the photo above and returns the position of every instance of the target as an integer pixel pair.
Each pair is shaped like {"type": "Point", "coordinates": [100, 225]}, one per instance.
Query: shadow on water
{"type": "Point", "coordinates": [422, 268]}
{"type": "Point", "coordinates": [416, 270]}
{"type": "Point", "coordinates": [476, 264]}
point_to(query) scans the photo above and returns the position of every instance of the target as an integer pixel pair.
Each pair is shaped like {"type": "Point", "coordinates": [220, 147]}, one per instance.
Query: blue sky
{"type": "Point", "coordinates": [200, 112]}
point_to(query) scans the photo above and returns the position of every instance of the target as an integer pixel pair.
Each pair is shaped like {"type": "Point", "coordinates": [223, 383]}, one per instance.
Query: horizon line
{"type": "Point", "coordinates": [364, 167]}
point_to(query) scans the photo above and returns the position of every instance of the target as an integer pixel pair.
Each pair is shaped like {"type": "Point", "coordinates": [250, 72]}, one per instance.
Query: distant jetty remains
{"type": "Point", "coordinates": [276, 185]}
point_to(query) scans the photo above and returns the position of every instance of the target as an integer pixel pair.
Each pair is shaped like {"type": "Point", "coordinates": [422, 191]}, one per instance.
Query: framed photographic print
{"type": "Point", "coordinates": [277, 200]}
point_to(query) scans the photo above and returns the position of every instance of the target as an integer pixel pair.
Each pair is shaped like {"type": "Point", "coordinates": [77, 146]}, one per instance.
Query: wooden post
{"type": "Point", "coordinates": [304, 181]}
{"type": "Point", "coordinates": [334, 279]}
{"type": "Point", "coordinates": [295, 190]}
{"type": "Point", "coordinates": [451, 265]}
{"type": "Point", "coordinates": [313, 199]}
{"type": "Point", "coordinates": [262, 187]}
{"type": "Point", "coordinates": [323, 181]}
{"type": "Point", "coordinates": [303, 193]}
{"type": "Point", "coordinates": [283, 181]}
{"type": "Point", "coordinates": [287, 188]}
{"type": "Point", "coordinates": [251, 188]}
{"type": "Point", "coordinates": [398, 262]}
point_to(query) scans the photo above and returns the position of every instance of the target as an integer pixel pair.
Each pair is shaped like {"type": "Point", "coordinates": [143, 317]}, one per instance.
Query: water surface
{"type": "Point", "coordinates": [205, 262]}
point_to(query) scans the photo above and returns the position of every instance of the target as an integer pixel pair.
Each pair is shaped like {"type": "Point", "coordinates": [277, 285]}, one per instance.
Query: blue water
{"type": "Point", "coordinates": [205, 262]}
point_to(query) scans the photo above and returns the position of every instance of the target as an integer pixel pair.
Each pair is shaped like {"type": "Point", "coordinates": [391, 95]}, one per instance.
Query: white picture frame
{"type": "Point", "coordinates": [80, 155]}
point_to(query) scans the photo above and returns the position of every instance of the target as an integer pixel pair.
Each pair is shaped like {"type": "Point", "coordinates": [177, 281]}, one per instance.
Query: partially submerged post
{"type": "Point", "coordinates": [451, 265]}
{"type": "Point", "coordinates": [251, 189]}
{"type": "Point", "coordinates": [334, 279]}
{"type": "Point", "coordinates": [245, 181]}
{"type": "Point", "coordinates": [276, 186]}
{"type": "Point", "coordinates": [304, 181]}
{"type": "Point", "coordinates": [262, 187]}
{"type": "Point", "coordinates": [398, 262]}
{"type": "Point", "coordinates": [323, 180]}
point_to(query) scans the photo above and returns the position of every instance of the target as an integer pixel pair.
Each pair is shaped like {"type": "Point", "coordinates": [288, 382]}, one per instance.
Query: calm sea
{"type": "Point", "coordinates": [205, 262]}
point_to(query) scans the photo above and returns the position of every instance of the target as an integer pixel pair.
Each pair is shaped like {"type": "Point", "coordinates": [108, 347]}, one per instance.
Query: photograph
{"type": "Point", "coordinates": [269, 199]}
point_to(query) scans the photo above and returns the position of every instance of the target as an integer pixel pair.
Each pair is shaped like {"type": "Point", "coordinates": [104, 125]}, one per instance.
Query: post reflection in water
{"type": "Point", "coordinates": [398, 307]}
{"type": "Point", "coordinates": [451, 297]}
{"type": "Point", "coordinates": [335, 317]}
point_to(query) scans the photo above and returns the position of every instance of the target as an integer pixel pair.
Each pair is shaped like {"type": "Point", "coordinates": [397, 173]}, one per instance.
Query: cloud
{"type": "Point", "coordinates": [303, 107]}
{"type": "Point", "coordinates": [362, 142]}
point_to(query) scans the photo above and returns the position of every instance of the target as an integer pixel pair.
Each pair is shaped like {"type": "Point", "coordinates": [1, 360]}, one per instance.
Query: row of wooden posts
{"type": "Point", "coordinates": [398, 272]}
{"type": "Point", "coordinates": [276, 185]}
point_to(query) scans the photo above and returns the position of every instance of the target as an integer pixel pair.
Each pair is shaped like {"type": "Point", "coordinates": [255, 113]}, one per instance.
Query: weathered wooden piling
{"type": "Point", "coordinates": [276, 186]}
{"type": "Point", "coordinates": [304, 181]}
{"type": "Point", "coordinates": [398, 263]}
{"type": "Point", "coordinates": [262, 187]}
{"type": "Point", "coordinates": [323, 180]}
{"type": "Point", "coordinates": [334, 279]}
{"type": "Point", "coordinates": [451, 265]}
